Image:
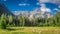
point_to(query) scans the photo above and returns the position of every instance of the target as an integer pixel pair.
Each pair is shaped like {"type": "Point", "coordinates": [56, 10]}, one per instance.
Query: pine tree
{"type": "Point", "coordinates": [3, 21]}
{"type": "Point", "coordinates": [21, 20]}
{"type": "Point", "coordinates": [10, 20]}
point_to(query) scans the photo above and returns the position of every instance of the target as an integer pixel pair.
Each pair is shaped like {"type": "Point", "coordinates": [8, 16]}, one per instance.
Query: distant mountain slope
{"type": "Point", "coordinates": [4, 10]}
{"type": "Point", "coordinates": [35, 14]}
{"type": "Point", "coordinates": [46, 10]}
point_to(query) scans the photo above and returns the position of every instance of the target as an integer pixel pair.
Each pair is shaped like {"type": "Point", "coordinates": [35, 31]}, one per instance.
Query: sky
{"type": "Point", "coordinates": [31, 5]}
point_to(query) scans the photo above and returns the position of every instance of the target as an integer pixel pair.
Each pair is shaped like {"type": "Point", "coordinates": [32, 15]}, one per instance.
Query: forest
{"type": "Point", "coordinates": [21, 21]}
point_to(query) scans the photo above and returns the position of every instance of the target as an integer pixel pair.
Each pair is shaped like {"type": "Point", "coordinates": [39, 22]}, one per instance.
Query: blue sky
{"type": "Point", "coordinates": [30, 5]}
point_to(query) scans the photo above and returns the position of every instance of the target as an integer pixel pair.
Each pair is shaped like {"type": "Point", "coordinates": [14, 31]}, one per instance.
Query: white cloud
{"type": "Point", "coordinates": [50, 1]}
{"type": "Point", "coordinates": [42, 5]}
{"type": "Point", "coordinates": [41, 1]}
{"type": "Point", "coordinates": [56, 9]}
{"type": "Point", "coordinates": [44, 8]}
{"type": "Point", "coordinates": [23, 4]}
{"type": "Point", "coordinates": [56, 1]}
{"type": "Point", "coordinates": [58, 6]}
{"type": "Point", "coordinates": [37, 3]}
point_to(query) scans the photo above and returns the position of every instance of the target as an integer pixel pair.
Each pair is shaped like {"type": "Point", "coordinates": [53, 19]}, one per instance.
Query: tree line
{"type": "Point", "coordinates": [21, 21]}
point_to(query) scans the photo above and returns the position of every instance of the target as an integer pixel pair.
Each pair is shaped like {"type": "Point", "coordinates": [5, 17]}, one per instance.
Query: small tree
{"type": "Point", "coordinates": [10, 19]}
{"type": "Point", "coordinates": [21, 20]}
{"type": "Point", "coordinates": [3, 21]}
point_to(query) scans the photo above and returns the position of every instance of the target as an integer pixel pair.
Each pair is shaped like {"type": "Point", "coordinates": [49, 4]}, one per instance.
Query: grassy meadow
{"type": "Point", "coordinates": [30, 30]}
{"type": "Point", "coordinates": [29, 22]}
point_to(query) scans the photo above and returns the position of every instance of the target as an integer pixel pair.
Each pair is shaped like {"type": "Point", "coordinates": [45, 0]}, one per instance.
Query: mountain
{"type": "Point", "coordinates": [4, 10]}
{"type": "Point", "coordinates": [46, 10]}
{"type": "Point", "coordinates": [35, 14]}
{"type": "Point", "coordinates": [38, 13]}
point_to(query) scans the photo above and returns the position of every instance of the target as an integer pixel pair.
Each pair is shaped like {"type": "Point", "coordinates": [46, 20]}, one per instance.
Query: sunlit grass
{"type": "Point", "coordinates": [31, 30]}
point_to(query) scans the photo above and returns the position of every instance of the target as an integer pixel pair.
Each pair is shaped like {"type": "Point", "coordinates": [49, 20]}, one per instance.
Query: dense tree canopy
{"type": "Point", "coordinates": [26, 21]}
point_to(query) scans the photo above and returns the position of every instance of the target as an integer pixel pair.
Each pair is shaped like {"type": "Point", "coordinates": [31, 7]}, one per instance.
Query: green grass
{"type": "Point", "coordinates": [30, 30]}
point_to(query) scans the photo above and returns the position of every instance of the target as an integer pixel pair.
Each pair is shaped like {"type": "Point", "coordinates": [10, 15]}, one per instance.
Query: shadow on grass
{"type": "Point", "coordinates": [13, 29]}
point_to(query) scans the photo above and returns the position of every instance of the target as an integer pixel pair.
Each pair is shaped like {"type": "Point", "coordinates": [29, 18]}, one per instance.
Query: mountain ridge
{"type": "Point", "coordinates": [5, 10]}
